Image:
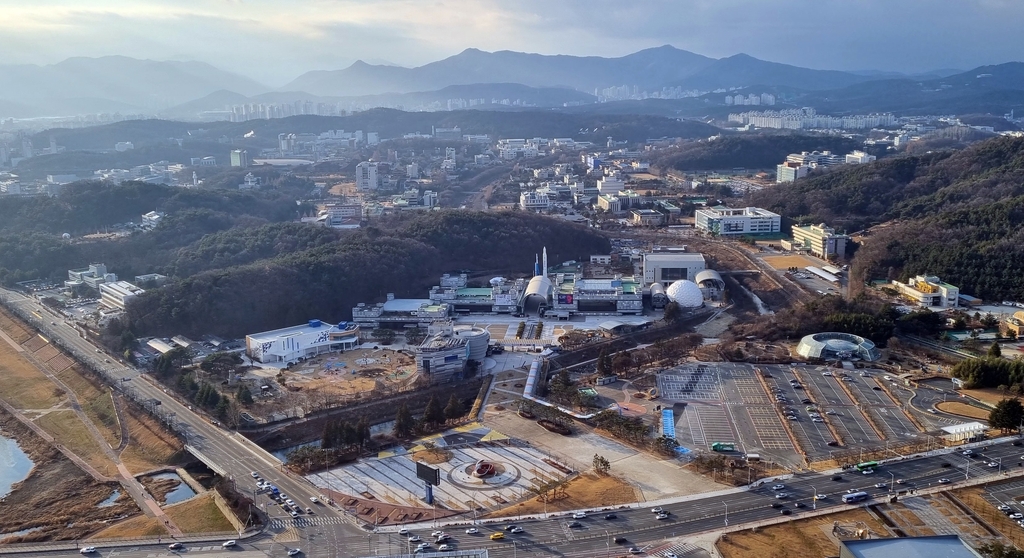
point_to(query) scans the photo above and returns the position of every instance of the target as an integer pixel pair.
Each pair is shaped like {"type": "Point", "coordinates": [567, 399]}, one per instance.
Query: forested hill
{"type": "Point", "coordinates": [958, 215]}
{"type": "Point", "coordinates": [404, 255]}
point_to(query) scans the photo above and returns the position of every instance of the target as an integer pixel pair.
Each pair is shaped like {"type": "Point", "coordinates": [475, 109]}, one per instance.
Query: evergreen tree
{"type": "Point", "coordinates": [453, 410]}
{"type": "Point", "coordinates": [222, 407]}
{"type": "Point", "coordinates": [403, 422]}
{"type": "Point", "coordinates": [433, 414]}
{"type": "Point", "coordinates": [1007, 415]}
{"type": "Point", "coordinates": [994, 351]}
{"type": "Point", "coordinates": [362, 431]}
{"type": "Point", "coordinates": [244, 395]}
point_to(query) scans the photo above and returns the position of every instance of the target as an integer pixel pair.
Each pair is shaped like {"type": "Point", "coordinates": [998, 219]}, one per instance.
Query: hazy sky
{"type": "Point", "coordinates": [276, 40]}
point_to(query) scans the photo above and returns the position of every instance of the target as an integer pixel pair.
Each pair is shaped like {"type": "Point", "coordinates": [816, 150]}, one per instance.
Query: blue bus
{"type": "Point", "coordinates": [855, 497]}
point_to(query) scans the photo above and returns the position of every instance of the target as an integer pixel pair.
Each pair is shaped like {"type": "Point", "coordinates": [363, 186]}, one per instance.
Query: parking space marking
{"type": "Point", "coordinates": [690, 383]}
{"type": "Point", "coordinates": [716, 424]}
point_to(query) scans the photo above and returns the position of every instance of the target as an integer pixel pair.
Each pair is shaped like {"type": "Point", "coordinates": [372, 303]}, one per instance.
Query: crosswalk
{"type": "Point", "coordinates": [684, 549]}
{"type": "Point", "coordinates": [281, 523]}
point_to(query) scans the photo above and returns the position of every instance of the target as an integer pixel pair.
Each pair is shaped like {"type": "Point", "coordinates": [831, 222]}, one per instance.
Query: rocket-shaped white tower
{"type": "Point", "coordinates": [544, 270]}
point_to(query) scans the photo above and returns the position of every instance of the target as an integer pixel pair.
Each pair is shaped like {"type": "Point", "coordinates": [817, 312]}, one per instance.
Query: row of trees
{"type": "Point", "coordinates": [344, 434]}
{"type": "Point", "coordinates": [991, 371]}
{"type": "Point", "coordinates": [433, 417]}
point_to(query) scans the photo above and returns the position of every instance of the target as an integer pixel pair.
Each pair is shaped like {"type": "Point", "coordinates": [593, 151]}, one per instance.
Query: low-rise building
{"type": "Point", "coordinates": [788, 172]}
{"type": "Point", "coordinates": [92, 276]}
{"type": "Point", "coordinates": [116, 294]}
{"type": "Point", "coordinates": [399, 312]}
{"type": "Point", "coordinates": [667, 264]}
{"type": "Point", "coordinates": [858, 157]}
{"type": "Point", "coordinates": [295, 343]}
{"type": "Point", "coordinates": [747, 221]}
{"type": "Point", "coordinates": [928, 290]}
{"type": "Point", "coordinates": [820, 240]}
{"type": "Point", "coordinates": [646, 217]}
{"type": "Point", "coordinates": [534, 201]}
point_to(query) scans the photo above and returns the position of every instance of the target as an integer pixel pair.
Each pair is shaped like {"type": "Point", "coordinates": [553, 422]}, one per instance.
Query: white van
{"type": "Point", "coordinates": [229, 544]}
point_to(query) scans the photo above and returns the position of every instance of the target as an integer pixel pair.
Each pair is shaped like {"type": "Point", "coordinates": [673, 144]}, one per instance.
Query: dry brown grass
{"type": "Point", "coordinates": [990, 396]}
{"type": "Point", "coordinates": [586, 491]}
{"type": "Point", "coordinates": [96, 404]}
{"type": "Point", "coordinates": [199, 515]}
{"type": "Point", "coordinates": [962, 409]}
{"type": "Point", "coordinates": [65, 427]}
{"type": "Point", "coordinates": [136, 527]}
{"type": "Point", "coordinates": [22, 384]}
{"type": "Point", "coordinates": [151, 446]}
{"type": "Point", "coordinates": [434, 456]}
{"type": "Point", "coordinates": [972, 497]}
{"type": "Point", "coordinates": [803, 537]}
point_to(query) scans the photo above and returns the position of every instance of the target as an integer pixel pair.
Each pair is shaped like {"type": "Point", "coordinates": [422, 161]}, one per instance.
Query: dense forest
{"type": "Point", "coordinates": [324, 279]}
{"type": "Point", "coordinates": [958, 215]}
{"type": "Point", "coordinates": [761, 151]}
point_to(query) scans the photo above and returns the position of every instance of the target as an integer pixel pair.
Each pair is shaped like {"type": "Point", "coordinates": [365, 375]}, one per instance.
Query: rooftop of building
{"type": "Point", "coordinates": [471, 292]}
{"type": "Point", "coordinates": [722, 211]}
{"type": "Point", "coordinates": [310, 327]}
{"type": "Point", "coordinates": [941, 546]}
{"type": "Point", "coordinates": [407, 304]}
{"type": "Point", "coordinates": [442, 342]}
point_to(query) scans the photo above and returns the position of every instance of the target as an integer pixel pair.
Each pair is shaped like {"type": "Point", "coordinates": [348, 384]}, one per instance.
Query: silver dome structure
{"type": "Point", "coordinates": [685, 293]}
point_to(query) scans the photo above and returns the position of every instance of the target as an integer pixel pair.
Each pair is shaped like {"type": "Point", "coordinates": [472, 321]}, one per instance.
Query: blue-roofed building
{"type": "Point", "coordinates": [940, 546]}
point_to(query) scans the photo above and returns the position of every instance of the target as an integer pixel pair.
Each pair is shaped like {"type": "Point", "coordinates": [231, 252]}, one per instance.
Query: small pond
{"type": "Point", "coordinates": [14, 465]}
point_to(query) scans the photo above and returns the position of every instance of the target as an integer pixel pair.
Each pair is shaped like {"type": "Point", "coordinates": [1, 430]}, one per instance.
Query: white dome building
{"type": "Point", "coordinates": [686, 294]}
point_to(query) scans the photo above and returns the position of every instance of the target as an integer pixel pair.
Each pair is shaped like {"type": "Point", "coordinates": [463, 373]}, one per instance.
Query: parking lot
{"type": "Point", "coordinates": [725, 402]}
{"type": "Point", "coordinates": [850, 423]}
{"type": "Point", "coordinates": [810, 431]}
{"type": "Point", "coordinates": [886, 413]}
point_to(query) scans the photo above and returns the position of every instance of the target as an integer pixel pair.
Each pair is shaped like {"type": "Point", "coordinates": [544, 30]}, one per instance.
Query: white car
{"type": "Point", "coordinates": [658, 509]}
{"type": "Point", "coordinates": [1003, 507]}
{"type": "Point", "coordinates": [294, 552]}
{"type": "Point", "coordinates": [422, 546]}
{"type": "Point", "coordinates": [661, 515]}
{"type": "Point", "coordinates": [579, 515]}
{"type": "Point", "coordinates": [826, 374]}
{"type": "Point", "coordinates": [1017, 516]}
{"type": "Point", "coordinates": [880, 485]}
{"type": "Point", "coordinates": [443, 537]}
{"type": "Point", "coordinates": [817, 419]}
{"type": "Point", "coordinates": [436, 533]}
{"type": "Point", "coordinates": [782, 495]}
{"type": "Point", "coordinates": [415, 538]}
{"type": "Point", "coordinates": [943, 481]}
{"type": "Point", "coordinates": [88, 550]}
{"type": "Point", "coordinates": [289, 501]}
{"type": "Point", "coordinates": [515, 530]}
{"type": "Point", "coordinates": [403, 531]}
{"type": "Point", "coordinates": [314, 499]}
{"type": "Point", "coordinates": [254, 475]}
{"type": "Point", "coordinates": [779, 487]}
{"type": "Point", "coordinates": [229, 544]}
{"type": "Point", "coordinates": [868, 472]}
{"type": "Point", "coordinates": [472, 531]}
{"type": "Point", "coordinates": [446, 547]}
{"type": "Point", "coordinates": [992, 464]}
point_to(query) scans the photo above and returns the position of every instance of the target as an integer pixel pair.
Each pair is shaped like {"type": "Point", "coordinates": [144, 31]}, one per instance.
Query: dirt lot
{"type": "Point", "coordinates": [55, 480]}
{"type": "Point", "coordinates": [65, 427]}
{"type": "Point", "coordinates": [1008, 528]}
{"type": "Point", "coordinates": [141, 526]}
{"type": "Point", "coordinates": [962, 409]}
{"type": "Point", "coordinates": [807, 537]}
{"type": "Point", "coordinates": [586, 491]}
{"type": "Point", "coordinates": [432, 456]}
{"type": "Point", "coordinates": [199, 515]}
{"type": "Point", "coordinates": [786, 262]}
{"type": "Point", "coordinates": [352, 373]}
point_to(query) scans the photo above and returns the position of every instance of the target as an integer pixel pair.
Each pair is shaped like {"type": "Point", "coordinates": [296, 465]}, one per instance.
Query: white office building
{"type": "Point", "coordinates": [859, 157]}
{"type": "Point", "coordinates": [367, 178]}
{"type": "Point", "coordinates": [295, 343]}
{"type": "Point", "coordinates": [665, 265]}
{"type": "Point", "coordinates": [723, 221]}
{"type": "Point", "coordinates": [611, 184]}
{"type": "Point", "coordinates": [534, 201]}
{"type": "Point", "coordinates": [788, 172]}
{"type": "Point", "coordinates": [116, 294]}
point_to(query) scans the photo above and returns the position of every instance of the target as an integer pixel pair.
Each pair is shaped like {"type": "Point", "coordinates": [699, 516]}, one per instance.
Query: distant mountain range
{"type": "Point", "coordinates": [185, 89]}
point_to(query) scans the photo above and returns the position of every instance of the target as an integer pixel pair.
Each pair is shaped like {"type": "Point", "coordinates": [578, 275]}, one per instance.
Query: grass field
{"type": "Point", "coordinates": [69, 431]}
{"type": "Point", "coordinates": [199, 515]}
{"type": "Point", "coordinates": [805, 537]}
{"type": "Point", "coordinates": [990, 396]}
{"type": "Point", "coordinates": [23, 385]}
{"type": "Point", "coordinates": [586, 491]}
{"type": "Point", "coordinates": [95, 402]}
{"type": "Point", "coordinates": [786, 262]}
{"type": "Point", "coordinates": [962, 409]}
{"type": "Point", "coordinates": [151, 446]}
{"type": "Point", "coordinates": [139, 526]}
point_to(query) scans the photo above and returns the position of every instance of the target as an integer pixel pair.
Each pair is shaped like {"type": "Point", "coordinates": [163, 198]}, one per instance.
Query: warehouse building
{"type": "Point", "coordinates": [295, 343]}
{"type": "Point", "coordinates": [929, 291]}
{"type": "Point", "coordinates": [820, 240]}
{"type": "Point", "coordinates": [665, 265]}
{"type": "Point", "coordinates": [748, 221]}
